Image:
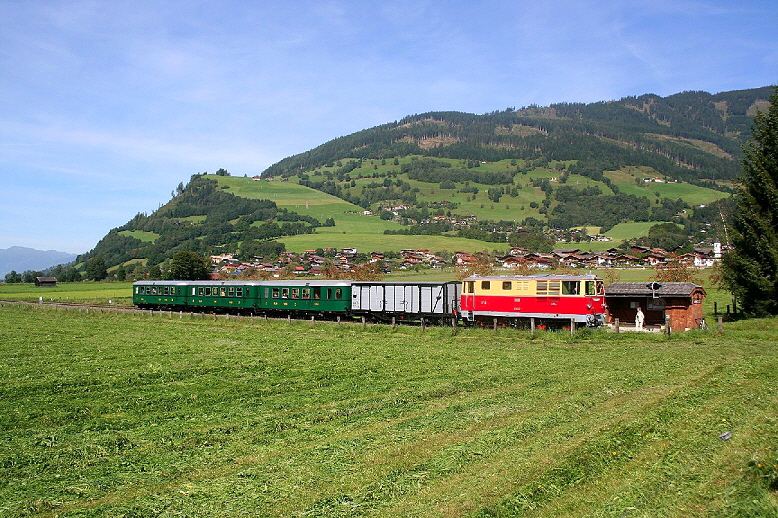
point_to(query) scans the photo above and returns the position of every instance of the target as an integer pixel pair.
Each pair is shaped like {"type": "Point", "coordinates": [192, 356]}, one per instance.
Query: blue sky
{"type": "Point", "coordinates": [105, 106]}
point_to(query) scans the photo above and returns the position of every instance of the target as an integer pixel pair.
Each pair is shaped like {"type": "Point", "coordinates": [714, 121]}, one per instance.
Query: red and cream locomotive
{"type": "Point", "coordinates": [552, 300]}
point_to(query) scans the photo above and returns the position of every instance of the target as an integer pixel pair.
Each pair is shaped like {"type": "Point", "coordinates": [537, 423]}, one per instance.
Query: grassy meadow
{"type": "Point", "coordinates": [352, 229]}
{"type": "Point", "coordinates": [134, 415]}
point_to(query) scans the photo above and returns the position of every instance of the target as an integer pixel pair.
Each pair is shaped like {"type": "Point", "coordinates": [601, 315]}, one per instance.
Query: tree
{"type": "Point", "coordinates": [188, 266]}
{"type": "Point", "coordinates": [13, 277]}
{"type": "Point", "coordinates": [95, 269]}
{"type": "Point", "coordinates": [751, 268]}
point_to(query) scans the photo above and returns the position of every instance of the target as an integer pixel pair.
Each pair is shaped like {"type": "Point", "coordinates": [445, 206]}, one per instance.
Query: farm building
{"type": "Point", "coordinates": [46, 281]}
{"type": "Point", "coordinates": [681, 301]}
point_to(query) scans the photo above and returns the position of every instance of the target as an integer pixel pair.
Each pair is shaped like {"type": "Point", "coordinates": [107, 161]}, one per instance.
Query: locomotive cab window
{"type": "Point", "coordinates": [570, 287]}
{"type": "Point", "coordinates": [507, 285]}
{"type": "Point", "coordinates": [485, 285]}
{"type": "Point", "coordinates": [590, 287]}
{"type": "Point", "coordinates": [470, 287]}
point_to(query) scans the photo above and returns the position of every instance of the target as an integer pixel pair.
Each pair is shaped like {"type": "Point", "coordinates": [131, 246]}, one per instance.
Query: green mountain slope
{"type": "Point", "coordinates": [454, 181]}
{"type": "Point", "coordinates": [692, 136]}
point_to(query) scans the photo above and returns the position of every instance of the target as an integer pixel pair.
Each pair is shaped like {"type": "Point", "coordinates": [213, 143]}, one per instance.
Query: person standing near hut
{"type": "Point", "coordinates": [639, 317]}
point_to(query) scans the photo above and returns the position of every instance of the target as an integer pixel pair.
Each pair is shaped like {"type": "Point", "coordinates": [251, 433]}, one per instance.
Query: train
{"type": "Point", "coordinates": [510, 300]}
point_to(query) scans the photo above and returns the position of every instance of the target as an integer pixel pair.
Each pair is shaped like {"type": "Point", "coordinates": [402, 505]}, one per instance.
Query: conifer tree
{"type": "Point", "coordinates": [751, 268]}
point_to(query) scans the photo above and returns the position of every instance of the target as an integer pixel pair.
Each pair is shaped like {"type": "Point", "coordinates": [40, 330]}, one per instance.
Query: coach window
{"type": "Point", "coordinates": [223, 291]}
{"type": "Point", "coordinates": [295, 293]}
{"type": "Point", "coordinates": [275, 293]}
{"type": "Point", "coordinates": [306, 293]}
{"type": "Point", "coordinates": [316, 293]}
{"type": "Point", "coordinates": [328, 295]}
{"type": "Point", "coordinates": [338, 293]}
{"type": "Point", "coordinates": [239, 292]}
{"type": "Point", "coordinates": [231, 291]}
{"type": "Point", "coordinates": [485, 285]}
{"type": "Point", "coordinates": [507, 285]}
{"type": "Point", "coordinates": [284, 293]}
{"type": "Point", "coordinates": [570, 287]}
{"type": "Point", "coordinates": [207, 292]}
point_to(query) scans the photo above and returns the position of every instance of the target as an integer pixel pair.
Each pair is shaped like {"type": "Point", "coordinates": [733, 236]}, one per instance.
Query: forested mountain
{"type": "Point", "coordinates": [690, 136]}
{"type": "Point", "coordinates": [491, 178]}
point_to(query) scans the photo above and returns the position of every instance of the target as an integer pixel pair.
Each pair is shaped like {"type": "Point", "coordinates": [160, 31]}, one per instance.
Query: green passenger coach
{"type": "Point", "coordinates": [256, 297]}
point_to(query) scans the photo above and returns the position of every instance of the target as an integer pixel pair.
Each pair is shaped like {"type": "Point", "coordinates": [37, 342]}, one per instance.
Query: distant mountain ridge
{"type": "Point", "coordinates": [691, 136]}
{"type": "Point", "coordinates": [21, 259]}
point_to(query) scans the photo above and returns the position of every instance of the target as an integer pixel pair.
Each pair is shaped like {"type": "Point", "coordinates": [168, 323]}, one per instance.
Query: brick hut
{"type": "Point", "coordinates": [681, 301]}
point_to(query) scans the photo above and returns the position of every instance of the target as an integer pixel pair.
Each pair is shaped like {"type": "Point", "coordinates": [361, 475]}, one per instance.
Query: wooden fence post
{"type": "Point", "coordinates": [616, 324]}
{"type": "Point", "coordinates": [721, 325]}
{"type": "Point", "coordinates": [667, 325]}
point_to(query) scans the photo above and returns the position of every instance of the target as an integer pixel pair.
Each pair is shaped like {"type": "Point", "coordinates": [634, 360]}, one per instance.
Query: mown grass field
{"type": "Point", "coordinates": [132, 415]}
{"type": "Point", "coordinates": [97, 293]}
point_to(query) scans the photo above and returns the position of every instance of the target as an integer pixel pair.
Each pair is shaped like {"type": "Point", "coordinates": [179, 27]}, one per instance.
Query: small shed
{"type": "Point", "coordinates": [47, 282]}
{"type": "Point", "coordinates": [681, 301]}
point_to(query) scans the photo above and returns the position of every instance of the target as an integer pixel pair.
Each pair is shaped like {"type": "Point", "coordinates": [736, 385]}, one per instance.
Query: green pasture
{"type": "Point", "coordinates": [146, 237]}
{"type": "Point", "coordinates": [97, 293]}
{"type": "Point", "coordinates": [134, 415]}
{"type": "Point", "coordinates": [692, 194]}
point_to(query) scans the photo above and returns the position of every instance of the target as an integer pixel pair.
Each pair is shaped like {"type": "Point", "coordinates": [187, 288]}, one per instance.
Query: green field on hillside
{"type": "Point", "coordinates": [353, 229]}
{"type": "Point", "coordinates": [146, 237]}
{"type": "Point", "coordinates": [131, 415]}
